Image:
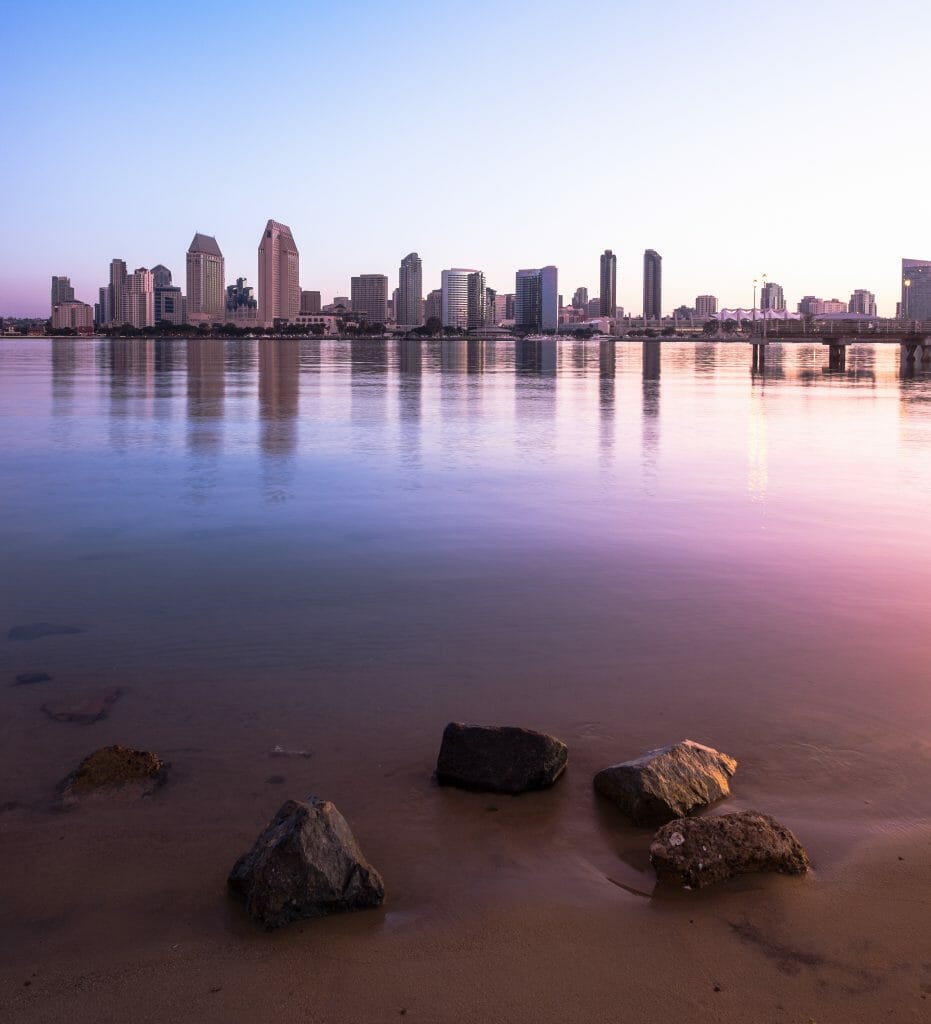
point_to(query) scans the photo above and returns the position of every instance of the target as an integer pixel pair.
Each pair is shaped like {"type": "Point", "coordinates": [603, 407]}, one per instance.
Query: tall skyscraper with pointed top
{"type": "Point", "coordinates": [206, 281]}
{"type": "Point", "coordinates": [408, 312]}
{"type": "Point", "coordinates": [608, 294]}
{"type": "Point", "coordinates": [279, 275]}
{"type": "Point", "coordinates": [652, 285]}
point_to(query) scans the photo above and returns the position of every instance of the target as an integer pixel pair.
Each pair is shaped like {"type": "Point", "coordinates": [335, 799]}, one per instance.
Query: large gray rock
{"type": "Point", "coordinates": [306, 863]}
{"type": "Point", "coordinates": [499, 759]}
{"type": "Point", "coordinates": [667, 783]}
{"type": "Point", "coordinates": [701, 851]}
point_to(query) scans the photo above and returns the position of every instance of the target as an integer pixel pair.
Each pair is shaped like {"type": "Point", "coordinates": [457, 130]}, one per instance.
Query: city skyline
{"type": "Point", "coordinates": [684, 167]}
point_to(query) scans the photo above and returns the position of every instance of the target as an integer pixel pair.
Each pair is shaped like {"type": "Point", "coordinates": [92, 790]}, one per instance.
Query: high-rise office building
{"type": "Point", "coordinates": [61, 292]}
{"type": "Point", "coordinates": [580, 299]}
{"type": "Point", "coordinates": [206, 281]}
{"type": "Point", "coordinates": [593, 309]}
{"type": "Point", "coordinates": [433, 306]}
{"type": "Point", "coordinates": [810, 305]}
{"type": "Point", "coordinates": [241, 304]}
{"type": "Point", "coordinates": [862, 301]}
{"type": "Point", "coordinates": [310, 303]}
{"type": "Point", "coordinates": [652, 285]}
{"type": "Point", "coordinates": [116, 297]}
{"type": "Point", "coordinates": [706, 305]}
{"type": "Point", "coordinates": [407, 312]}
{"type": "Point", "coordinates": [916, 289]}
{"type": "Point", "coordinates": [536, 299]}
{"type": "Point", "coordinates": [608, 283]}
{"type": "Point", "coordinates": [369, 294]}
{"type": "Point", "coordinates": [463, 298]}
{"type": "Point", "coordinates": [139, 302]}
{"type": "Point", "coordinates": [491, 307]}
{"type": "Point", "coordinates": [169, 302]}
{"type": "Point", "coordinates": [161, 276]}
{"type": "Point", "coordinates": [772, 296]}
{"type": "Point", "coordinates": [104, 314]}
{"type": "Point", "coordinates": [279, 275]}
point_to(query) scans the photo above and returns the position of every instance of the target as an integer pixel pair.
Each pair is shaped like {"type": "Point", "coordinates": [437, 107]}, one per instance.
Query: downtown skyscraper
{"type": "Point", "coordinates": [369, 297]}
{"type": "Point", "coordinates": [279, 275]}
{"type": "Point", "coordinates": [536, 299]}
{"type": "Point", "coordinates": [652, 285]}
{"type": "Point", "coordinates": [608, 294]}
{"type": "Point", "coordinates": [409, 310]}
{"type": "Point", "coordinates": [206, 284]}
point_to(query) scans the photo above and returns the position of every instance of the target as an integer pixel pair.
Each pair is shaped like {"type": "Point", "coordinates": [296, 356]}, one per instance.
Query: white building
{"type": "Point", "coordinates": [279, 275]}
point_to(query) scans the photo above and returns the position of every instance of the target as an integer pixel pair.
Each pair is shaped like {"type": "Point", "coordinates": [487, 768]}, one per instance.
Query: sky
{"type": "Point", "coordinates": [736, 139]}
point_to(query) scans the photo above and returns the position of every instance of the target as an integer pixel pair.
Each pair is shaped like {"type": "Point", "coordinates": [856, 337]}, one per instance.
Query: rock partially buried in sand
{"type": "Point", "coordinates": [117, 768]}
{"type": "Point", "coordinates": [499, 759]}
{"type": "Point", "coordinates": [696, 852]}
{"type": "Point", "coordinates": [306, 863]}
{"type": "Point", "coordinates": [667, 783]}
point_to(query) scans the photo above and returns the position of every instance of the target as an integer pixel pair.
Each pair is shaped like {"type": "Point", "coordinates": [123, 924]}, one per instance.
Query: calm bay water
{"type": "Point", "coordinates": [630, 542]}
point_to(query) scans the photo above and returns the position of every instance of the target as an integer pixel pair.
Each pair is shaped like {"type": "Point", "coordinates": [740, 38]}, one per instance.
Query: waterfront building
{"type": "Point", "coordinates": [463, 298]}
{"type": "Point", "coordinates": [139, 301]}
{"type": "Point", "coordinates": [810, 305]}
{"type": "Point", "coordinates": [369, 294]}
{"type": "Point", "coordinates": [491, 307]}
{"type": "Point", "coordinates": [608, 283]}
{"type": "Point", "coordinates": [683, 313]}
{"type": "Point", "coordinates": [862, 301]}
{"type": "Point", "coordinates": [169, 305]}
{"type": "Point", "coordinates": [536, 299]}
{"type": "Point", "coordinates": [916, 289]}
{"type": "Point", "coordinates": [772, 296]}
{"type": "Point", "coordinates": [116, 298]}
{"type": "Point", "coordinates": [104, 314]}
{"type": "Point", "coordinates": [161, 276]}
{"type": "Point", "coordinates": [833, 306]}
{"type": "Point", "coordinates": [206, 281]}
{"type": "Point", "coordinates": [433, 306]}
{"type": "Point", "coordinates": [652, 285]}
{"type": "Point", "coordinates": [408, 310]}
{"type": "Point", "coordinates": [310, 303]}
{"type": "Point", "coordinates": [279, 275]}
{"type": "Point", "coordinates": [77, 316]}
{"type": "Point", "coordinates": [580, 298]}
{"type": "Point", "coordinates": [61, 291]}
{"type": "Point", "coordinates": [593, 309]}
{"type": "Point", "coordinates": [706, 305]}
{"type": "Point", "coordinates": [242, 307]}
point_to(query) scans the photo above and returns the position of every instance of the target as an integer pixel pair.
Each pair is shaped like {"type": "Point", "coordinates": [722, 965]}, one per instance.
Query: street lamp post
{"type": "Point", "coordinates": [907, 283]}
{"type": "Point", "coordinates": [754, 305]}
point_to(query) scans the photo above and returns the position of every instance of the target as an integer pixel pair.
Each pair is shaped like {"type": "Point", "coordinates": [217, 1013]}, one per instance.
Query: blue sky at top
{"type": "Point", "coordinates": [735, 138]}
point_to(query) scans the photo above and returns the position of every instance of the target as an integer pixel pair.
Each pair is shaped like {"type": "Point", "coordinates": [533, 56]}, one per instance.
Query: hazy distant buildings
{"type": "Point", "coordinates": [369, 294]}
{"type": "Point", "coordinates": [811, 305]}
{"type": "Point", "coordinates": [593, 309]}
{"type": "Point", "coordinates": [491, 307]}
{"type": "Point", "coordinates": [772, 296]}
{"type": "Point", "coordinates": [916, 289]}
{"type": "Point", "coordinates": [116, 293]}
{"type": "Point", "coordinates": [536, 299]}
{"type": "Point", "coordinates": [61, 291]}
{"type": "Point", "coordinates": [608, 283]}
{"type": "Point", "coordinates": [310, 303]}
{"type": "Point", "coordinates": [706, 305]}
{"type": "Point", "coordinates": [652, 285]}
{"type": "Point", "coordinates": [161, 276]}
{"type": "Point", "coordinates": [407, 311]}
{"type": "Point", "coordinates": [206, 281]}
{"type": "Point", "coordinates": [279, 275]}
{"type": "Point", "coordinates": [863, 302]}
{"type": "Point", "coordinates": [580, 299]}
{"type": "Point", "coordinates": [433, 306]}
{"type": "Point", "coordinates": [463, 298]}
{"type": "Point", "coordinates": [169, 301]}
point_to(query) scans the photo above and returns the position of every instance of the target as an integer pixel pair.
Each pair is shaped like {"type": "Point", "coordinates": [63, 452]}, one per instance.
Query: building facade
{"type": "Point", "coordinates": [608, 283]}
{"type": "Point", "coordinates": [369, 296]}
{"type": "Point", "coordinates": [68, 314]}
{"type": "Point", "coordinates": [652, 285]}
{"type": "Point", "coordinates": [408, 309]}
{"type": "Point", "coordinates": [116, 297]}
{"type": "Point", "coordinates": [536, 299]}
{"type": "Point", "coordinates": [139, 307]}
{"type": "Point", "coordinates": [706, 305]}
{"type": "Point", "coordinates": [310, 303]}
{"type": "Point", "coordinates": [279, 275]}
{"type": "Point", "coordinates": [206, 281]}
{"type": "Point", "coordinates": [462, 298]}
{"type": "Point", "coordinates": [916, 290]}
{"type": "Point", "coordinates": [862, 301]}
{"type": "Point", "coordinates": [772, 296]}
{"type": "Point", "coordinates": [61, 292]}
{"type": "Point", "coordinates": [433, 306]}
{"type": "Point", "coordinates": [242, 307]}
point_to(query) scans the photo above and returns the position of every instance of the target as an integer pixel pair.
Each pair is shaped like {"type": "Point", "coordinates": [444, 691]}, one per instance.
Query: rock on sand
{"type": "Point", "coordinates": [499, 759]}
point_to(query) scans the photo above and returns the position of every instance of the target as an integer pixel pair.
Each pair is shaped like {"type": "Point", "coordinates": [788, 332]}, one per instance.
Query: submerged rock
{"type": "Point", "coordinates": [499, 759]}
{"type": "Point", "coordinates": [306, 863]}
{"type": "Point", "coordinates": [696, 852]}
{"type": "Point", "coordinates": [30, 678]}
{"type": "Point", "coordinates": [667, 783]}
{"type": "Point", "coordinates": [34, 630]}
{"type": "Point", "coordinates": [137, 772]}
{"type": "Point", "coordinates": [84, 710]}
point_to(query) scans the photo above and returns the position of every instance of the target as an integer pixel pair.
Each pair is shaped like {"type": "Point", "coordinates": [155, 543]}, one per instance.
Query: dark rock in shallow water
{"type": "Point", "coordinates": [499, 759]}
{"type": "Point", "coordinates": [83, 710]}
{"type": "Point", "coordinates": [29, 678]}
{"type": "Point", "coordinates": [306, 863]}
{"type": "Point", "coordinates": [668, 782]}
{"type": "Point", "coordinates": [136, 772]}
{"type": "Point", "coordinates": [701, 851]}
{"type": "Point", "coordinates": [33, 630]}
